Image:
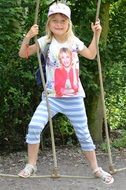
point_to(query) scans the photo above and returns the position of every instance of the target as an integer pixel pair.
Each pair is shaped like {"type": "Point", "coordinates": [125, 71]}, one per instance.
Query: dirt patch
{"type": "Point", "coordinates": [70, 163]}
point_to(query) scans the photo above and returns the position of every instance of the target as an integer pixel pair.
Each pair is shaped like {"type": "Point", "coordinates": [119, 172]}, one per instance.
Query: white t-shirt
{"type": "Point", "coordinates": [62, 67]}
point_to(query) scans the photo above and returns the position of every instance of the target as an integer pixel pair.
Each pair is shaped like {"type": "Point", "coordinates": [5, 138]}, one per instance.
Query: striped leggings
{"type": "Point", "coordinates": [73, 108]}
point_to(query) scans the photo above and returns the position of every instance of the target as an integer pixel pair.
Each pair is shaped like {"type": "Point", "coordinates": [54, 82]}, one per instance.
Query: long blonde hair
{"type": "Point", "coordinates": [69, 32]}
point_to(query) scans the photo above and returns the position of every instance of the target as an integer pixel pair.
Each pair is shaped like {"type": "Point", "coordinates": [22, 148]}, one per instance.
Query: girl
{"type": "Point", "coordinates": [60, 35]}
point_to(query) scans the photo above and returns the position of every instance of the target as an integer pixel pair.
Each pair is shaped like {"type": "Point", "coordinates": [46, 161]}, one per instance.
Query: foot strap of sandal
{"type": "Point", "coordinates": [28, 171]}
{"type": "Point", "coordinates": [30, 168]}
{"type": "Point", "coordinates": [105, 176]}
{"type": "Point", "coordinates": [97, 170]}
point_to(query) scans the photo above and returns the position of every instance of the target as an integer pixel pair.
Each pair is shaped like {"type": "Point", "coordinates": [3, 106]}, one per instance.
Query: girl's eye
{"type": "Point", "coordinates": [63, 21]}
{"type": "Point", "coordinates": [59, 21]}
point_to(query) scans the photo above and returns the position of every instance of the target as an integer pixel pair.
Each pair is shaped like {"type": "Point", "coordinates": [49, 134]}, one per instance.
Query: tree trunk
{"type": "Point", "coordinates": [94, 102]}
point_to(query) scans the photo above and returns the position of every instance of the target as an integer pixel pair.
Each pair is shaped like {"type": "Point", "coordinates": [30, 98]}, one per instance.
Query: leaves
{"type": "Point", "coordinates": [116, 67]}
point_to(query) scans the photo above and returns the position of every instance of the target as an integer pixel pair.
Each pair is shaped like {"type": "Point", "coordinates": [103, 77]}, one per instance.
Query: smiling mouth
{"type": "Point", "coordinates": [58, 29]}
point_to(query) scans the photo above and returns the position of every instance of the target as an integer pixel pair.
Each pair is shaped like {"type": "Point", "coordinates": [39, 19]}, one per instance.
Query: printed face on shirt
{"type": "Point", "coordinates": [59, 24]}
{"type": "Point", "coordinates": [65, 57]}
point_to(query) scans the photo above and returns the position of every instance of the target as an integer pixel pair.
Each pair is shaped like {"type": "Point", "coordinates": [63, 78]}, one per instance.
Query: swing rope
{"type": "Point", "coordinates": [111, 168]}
{"type": "Point", "coordinates": [55, 171]}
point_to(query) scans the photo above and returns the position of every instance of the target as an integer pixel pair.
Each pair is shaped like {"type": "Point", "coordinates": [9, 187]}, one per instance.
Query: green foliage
{"type": "Point", "coordinates": [117, 37]}
{"type": "Point", "coordinates": [116, 67]}
{"type": "Point", "coordinates": [108, 1]}
{"type": "Point", "coordinates": [115, 100]}
{"type": "Point", "coordinates": [119, 142]}
{"type": "Point", "coordinates": [17, 83]}
{"type": "Point", "coordinates": [9, 24]}
{"type": "Point", "coordinates": [16, 96]}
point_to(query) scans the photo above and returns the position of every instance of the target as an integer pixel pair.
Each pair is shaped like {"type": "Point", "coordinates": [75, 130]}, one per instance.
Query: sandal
{"type": "Point", "coordinates": [105, 176]}
{"type": "Point", "coordinates": [27, 171]}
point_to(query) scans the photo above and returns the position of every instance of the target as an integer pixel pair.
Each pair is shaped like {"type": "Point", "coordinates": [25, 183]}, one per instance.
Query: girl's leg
{"type": "Point", "coordinates": [33, 150]}
{"type": "Point", "coordinates": [36, 125]}
{"type": "Point", "coordinates": [97, 171]}
{"type": "Point", "coordinates": [77, 116]}
{"type": "Point", "coordinates": [78, 119]}
{"type": "Point", "coordinates": [75, 111]}
{"type": "Point", "coordinates": [91, 157]}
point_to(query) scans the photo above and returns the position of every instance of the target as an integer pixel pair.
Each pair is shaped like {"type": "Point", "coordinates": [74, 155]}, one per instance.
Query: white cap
{"type": "Point", "coordinates": [59, 8]}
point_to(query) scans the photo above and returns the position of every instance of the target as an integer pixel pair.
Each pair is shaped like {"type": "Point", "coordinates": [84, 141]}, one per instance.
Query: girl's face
{"type": "Point", "coordinates": [59, 24]}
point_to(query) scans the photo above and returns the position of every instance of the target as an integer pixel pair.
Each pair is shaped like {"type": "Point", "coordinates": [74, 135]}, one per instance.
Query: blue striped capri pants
{"type": "Point", "coordinates": [73, 108]}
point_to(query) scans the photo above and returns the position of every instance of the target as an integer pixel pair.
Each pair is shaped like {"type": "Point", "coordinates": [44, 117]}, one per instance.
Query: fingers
{"type": "Point", "coordinates": [35, 26]}
{"type": "Point", "coordinates": [97, 26]}
{"type": "Point", "coordinates": [97, 21]}
{"type": "Point", "coordinates": [33, 31]}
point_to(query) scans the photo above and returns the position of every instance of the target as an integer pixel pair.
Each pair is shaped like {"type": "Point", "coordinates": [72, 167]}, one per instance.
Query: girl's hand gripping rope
{"type": "Point", "coordinates": [33, 31]}
{"type": "Point", "coordinates": [96, 28]}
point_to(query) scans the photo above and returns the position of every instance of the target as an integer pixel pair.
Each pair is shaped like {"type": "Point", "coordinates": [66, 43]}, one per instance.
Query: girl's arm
{"type": "Point", "coordinates": [91, 51]}
{"type": "Point", "coordinates": [26, 50]}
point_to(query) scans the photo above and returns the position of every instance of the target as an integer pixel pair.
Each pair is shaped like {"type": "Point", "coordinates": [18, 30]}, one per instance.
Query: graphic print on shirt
{"type": "Point", "coordinates": [66, 76]}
